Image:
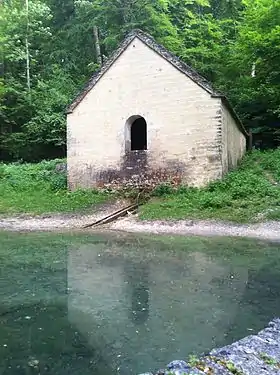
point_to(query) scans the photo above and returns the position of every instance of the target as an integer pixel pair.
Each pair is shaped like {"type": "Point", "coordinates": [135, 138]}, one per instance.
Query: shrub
{"type": "Point", "coordinates": [41, 188]}
{"type": "Point", "coordinates": [163, 189]}
{"type": "Point", "coordinates": [28, 176]}
{"type": "Point", "coordinates": [3, 172]}
{"type": "Point", "coordinates": [210, 200]}
{"type": "Point", "coordinates": [253, 188]}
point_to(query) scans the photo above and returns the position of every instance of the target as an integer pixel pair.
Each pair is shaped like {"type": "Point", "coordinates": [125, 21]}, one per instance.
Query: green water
{"type": "Point", "coordinates": [109, 304]}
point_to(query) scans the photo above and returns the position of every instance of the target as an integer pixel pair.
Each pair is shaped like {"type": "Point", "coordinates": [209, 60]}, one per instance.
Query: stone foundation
{"type": "Point", "coordinates": [138, 171]}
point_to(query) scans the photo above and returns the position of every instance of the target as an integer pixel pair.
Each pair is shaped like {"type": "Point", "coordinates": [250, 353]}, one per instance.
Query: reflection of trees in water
{"type": "Point", "coordinates": [137, 278]}
{"type": "Point", "coordinates": [260, 302]}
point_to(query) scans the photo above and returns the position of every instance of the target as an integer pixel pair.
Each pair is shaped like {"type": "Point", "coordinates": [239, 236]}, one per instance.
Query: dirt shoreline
{"type": "Point", "coordinates": [131, 224]}
{"type": "Point", "coordinates": [268, 230]}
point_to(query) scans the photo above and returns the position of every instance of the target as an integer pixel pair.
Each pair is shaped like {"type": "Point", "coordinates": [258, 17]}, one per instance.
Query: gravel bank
{"type": "Point", "coordinates": [58, 222]}
{"type": "Point", "coordinates": [267, 230]}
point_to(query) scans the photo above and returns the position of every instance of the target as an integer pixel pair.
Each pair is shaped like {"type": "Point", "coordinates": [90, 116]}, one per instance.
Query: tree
{"type": "Point", "coordinates": [115, 18]}
{"type": "Point", "coordinates": [234, 43]}
{"type": "Point", "coordinates": [254, 64]}
{"type": "Point", "coordinates": [22, 30]}
{"type": "Point", "coordinates": [226, 9]}
{"type": "Point", "coordinates": [203, 37]}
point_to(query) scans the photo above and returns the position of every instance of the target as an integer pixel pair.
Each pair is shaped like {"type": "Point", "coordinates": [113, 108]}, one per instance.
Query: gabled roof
{"type": "Point", "coordinates": [163, 52]}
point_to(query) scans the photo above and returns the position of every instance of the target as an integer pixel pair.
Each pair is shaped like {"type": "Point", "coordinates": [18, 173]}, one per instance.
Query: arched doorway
{"type": "Point", "coordinates": [138, 134]}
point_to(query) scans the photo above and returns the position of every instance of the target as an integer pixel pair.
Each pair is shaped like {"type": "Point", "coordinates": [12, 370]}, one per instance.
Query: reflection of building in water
{"type": "Point", "coordinates": [140, 309]}
{"type": "Point", "coordinates": [136, 276]}
{"type": "Point", "coordinates": [260, 302]}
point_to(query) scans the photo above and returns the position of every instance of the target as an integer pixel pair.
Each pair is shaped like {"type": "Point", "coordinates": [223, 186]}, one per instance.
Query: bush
{"type": "Point", "coordinates": [163, 189]}
{"type": "Point", "coordinates": [28, 176]}
{"type": "Point", "coordinates": [253, 188]}
{"type": "Point", "coordinates": [41, 188]}
{"type": "Point", "coordinates": [3, 172]}
{"type": "Point", "coordinates": [210, 200]}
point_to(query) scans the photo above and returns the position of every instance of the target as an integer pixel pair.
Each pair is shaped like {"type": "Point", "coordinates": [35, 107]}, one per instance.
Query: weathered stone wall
{"type": "Point", "coordinates": [233, 141]}
{"type": "Point", "coordinates": [184, 143]}
{"type": "Point", "coordinates": [254, 355]}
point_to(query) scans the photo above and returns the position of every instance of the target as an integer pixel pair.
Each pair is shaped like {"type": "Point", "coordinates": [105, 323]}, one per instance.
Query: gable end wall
{"type": "Point", "coordinates": [183, 126]}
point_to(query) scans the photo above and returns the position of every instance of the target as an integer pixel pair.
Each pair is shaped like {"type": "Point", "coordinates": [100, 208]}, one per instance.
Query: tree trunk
{"type": "Point", "coordinates": [27, 49]}
{"type": "Point", "coordinates": [27, 65]}
{"type": "Point", "coordinates": [253, 72]}
{"type": "Point", "coordinates": [97, 45]}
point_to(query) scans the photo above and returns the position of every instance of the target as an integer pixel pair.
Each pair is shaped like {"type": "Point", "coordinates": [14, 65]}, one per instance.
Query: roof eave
{"type": "Point", "coordinates": [98, 74]}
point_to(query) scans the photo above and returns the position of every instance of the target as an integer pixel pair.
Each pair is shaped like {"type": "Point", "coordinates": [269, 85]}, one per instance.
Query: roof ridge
{"type": "Point", "coordinates": [158, 48]}
{"type": "Point", "coordinates": [149, 41]}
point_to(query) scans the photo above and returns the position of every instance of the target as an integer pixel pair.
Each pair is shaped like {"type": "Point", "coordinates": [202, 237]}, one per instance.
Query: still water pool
{"type": "Point", "coordinates": [118, 304]}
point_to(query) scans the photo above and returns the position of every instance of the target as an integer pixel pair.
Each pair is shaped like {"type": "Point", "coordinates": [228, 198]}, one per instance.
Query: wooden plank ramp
{"type": "Point", "coordinates": [114, 216]}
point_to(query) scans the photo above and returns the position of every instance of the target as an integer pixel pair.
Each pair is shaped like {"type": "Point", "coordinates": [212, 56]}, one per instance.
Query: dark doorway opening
{"type": "Point", "coordinates": [139, 134]}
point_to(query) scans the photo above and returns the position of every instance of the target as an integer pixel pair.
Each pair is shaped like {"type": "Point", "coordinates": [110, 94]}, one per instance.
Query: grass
{"type": "Point", "coordinates": [248, 194]}
{"type": "Point", "coordinates": [39, 188]}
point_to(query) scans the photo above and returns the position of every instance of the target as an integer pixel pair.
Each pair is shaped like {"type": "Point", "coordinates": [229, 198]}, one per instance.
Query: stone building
{"type": "Point", "coordinates": [146, 117]}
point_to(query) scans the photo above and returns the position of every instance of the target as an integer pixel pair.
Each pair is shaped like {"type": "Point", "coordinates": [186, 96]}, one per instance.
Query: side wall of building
{"type": "Point", "coordinates": [183, 126]}
{"type": "Point", "coordinates": [233, 141]}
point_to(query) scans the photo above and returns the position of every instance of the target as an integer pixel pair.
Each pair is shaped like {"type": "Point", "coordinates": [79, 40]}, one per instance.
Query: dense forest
{"type": "Point", "coordinates": [48, 51]}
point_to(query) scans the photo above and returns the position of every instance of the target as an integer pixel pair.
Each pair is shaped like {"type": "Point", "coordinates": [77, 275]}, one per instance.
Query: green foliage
{"type": "Point", "coordinates": [230, 366]}
{"type": "Point", "coordinates": [193, 360]}
{"type": "Point", "coordinates": [256, 47]}
{"type": "Point", "coordinates": [225, 40]}
{"type": "Point", "coordinates": [162, 189]}
{"type": "Point", "coordinates": [40, 188]}
{"type": "Point", "coordinates": [250, 193]}
{"type": "Point", "coordinates": [269, 360]}
{"type": "Point", "coordinates": [116, 18]}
